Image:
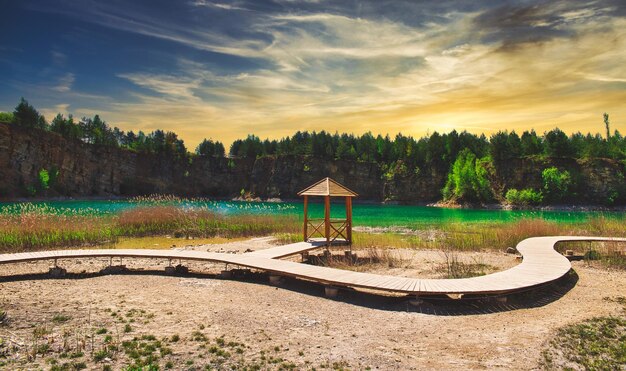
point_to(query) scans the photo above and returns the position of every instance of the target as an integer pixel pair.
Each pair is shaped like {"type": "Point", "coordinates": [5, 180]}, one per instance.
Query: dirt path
{"type": "Point", "coordinates": [295, 324]}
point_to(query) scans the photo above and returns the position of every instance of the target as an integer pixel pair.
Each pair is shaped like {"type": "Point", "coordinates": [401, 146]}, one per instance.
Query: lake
{"type": "Point", "coordinates": [363, 214]}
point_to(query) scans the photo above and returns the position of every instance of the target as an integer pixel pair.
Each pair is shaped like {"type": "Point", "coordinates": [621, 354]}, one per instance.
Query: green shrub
{"type": "Point", "coordinates": [524, 197]}
{"type": "Point", "coordinates": [468, 179]}
{"type": "Point", "coordinates": [44, 179]}
{"type": "Point", "coordinates": [100, 355]}
{"type": "Point", "coordinates": [556, 183]}
{"type": "Point", "coordinates": [592, 255]}
{"type": "Point", "coordinates": [6, 117]}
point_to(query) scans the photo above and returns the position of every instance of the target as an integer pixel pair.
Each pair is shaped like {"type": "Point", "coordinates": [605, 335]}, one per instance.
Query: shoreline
{"type": "Point", "coordinates": [438, 204]}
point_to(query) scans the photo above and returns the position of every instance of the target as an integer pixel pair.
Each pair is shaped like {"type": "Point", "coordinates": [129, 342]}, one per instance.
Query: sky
{"type": "Point", "coordinates": [224, 69]}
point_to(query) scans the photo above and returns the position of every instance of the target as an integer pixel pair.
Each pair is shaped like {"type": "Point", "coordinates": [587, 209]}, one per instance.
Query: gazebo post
{"type": "Point", "coordinates": [306, 218]}
{"type": "Point", "coordinates": [349, 220]}
{"type": "Point", "coordinates": [327, 219]}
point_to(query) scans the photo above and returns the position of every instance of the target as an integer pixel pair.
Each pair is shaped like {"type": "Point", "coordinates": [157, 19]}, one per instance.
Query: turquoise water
{"type": "Point", "coordinates": [363, 214]}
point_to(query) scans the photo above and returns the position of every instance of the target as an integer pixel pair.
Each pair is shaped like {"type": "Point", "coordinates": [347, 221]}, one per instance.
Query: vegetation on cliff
{"type": "Point", "coordinates": [478, 167]}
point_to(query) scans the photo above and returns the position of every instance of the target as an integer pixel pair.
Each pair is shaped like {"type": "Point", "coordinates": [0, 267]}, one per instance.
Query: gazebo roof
{"type": "Point", "coordinates": [327, 187]}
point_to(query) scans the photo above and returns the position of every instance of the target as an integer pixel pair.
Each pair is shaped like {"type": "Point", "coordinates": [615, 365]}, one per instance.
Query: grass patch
{"type": "Point", "coordinates": [365, 261]}
{"type": "Point", "coordinates": [596, 344]}
{"type": "Point", "coordinates": [101, 331]}
{"type": "Point", "coordinates": [455, 268]}
{"type": "Point", "coordinates": [60, 318]}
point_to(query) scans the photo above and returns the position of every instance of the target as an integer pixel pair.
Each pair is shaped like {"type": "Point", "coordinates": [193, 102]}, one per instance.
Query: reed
{"type": "Point", "coordinates": [146, 221]}
{"type": "Point", "coordinates": [366, 261]}
{"type": "Point", "coordinates": [500, 236]}
{"type": "Point", "coordinates": [27, 227]}
{"type": "Point", "coordinates": [35, 228]}
{"type": "Point", "coordinates": [30, 231]}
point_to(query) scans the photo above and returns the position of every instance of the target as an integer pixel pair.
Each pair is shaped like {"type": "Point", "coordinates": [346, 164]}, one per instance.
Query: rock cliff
{"type": "Point", "coordinates": [90, 170]}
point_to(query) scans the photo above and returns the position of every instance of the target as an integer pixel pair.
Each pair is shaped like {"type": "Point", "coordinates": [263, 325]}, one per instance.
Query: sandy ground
{"type": "Point", "coordinates": [296, 321]}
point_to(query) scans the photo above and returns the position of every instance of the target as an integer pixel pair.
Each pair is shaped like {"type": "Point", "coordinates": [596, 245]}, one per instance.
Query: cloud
{"type": "Point", "coordinates": [172, 86]}
{"type": "Point", "coordinates": [64, 83]}
{"type": "Point", "coordinates": [379, 67]}
{"type": "Point", "coordinates": [58, 59]}
{"type": "Point", "coordinates": [204, 3]}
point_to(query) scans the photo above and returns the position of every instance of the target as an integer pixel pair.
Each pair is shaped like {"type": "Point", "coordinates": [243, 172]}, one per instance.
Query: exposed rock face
{"type": "Point", "coordinates": [594, 181]}
{"type": "Point", "coordinates": [90, 170]}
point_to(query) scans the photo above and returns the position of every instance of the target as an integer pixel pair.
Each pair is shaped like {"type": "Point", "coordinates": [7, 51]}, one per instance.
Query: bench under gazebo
{"type": "Point", "coordinates": [327, 230]}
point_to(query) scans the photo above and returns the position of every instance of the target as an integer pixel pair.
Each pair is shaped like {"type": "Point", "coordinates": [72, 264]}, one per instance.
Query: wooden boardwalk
{"type": "Point", "coordinates": [541, 264]}
{"type": "Point", "coordinates": [284, 251]}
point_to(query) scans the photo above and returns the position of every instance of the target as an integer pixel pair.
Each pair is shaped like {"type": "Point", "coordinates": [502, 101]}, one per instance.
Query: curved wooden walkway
{"type": "Point", "coordinates": [541, 264]}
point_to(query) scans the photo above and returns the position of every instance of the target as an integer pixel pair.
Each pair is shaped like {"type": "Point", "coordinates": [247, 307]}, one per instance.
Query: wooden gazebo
{"type": "Point", "coordinates": [332, 231]}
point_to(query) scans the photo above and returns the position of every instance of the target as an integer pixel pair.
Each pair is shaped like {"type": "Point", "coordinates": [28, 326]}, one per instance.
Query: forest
{"type": "Point", "coordinates": [469, 159]}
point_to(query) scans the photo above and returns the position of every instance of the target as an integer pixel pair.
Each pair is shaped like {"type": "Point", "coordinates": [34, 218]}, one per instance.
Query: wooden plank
{"type": "Point", "coordinates": [531, 272]}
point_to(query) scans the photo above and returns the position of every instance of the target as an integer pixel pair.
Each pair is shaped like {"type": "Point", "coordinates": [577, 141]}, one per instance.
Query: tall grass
{"type": "Point", "coordinates": [34, 228]}
{"type": "Point", "coordinates": [148, 221]}
{"type": "Point", "coordinates": [488, 236]}
{"type": "Point", "coordinates": [372, 257]}
{"type": "Point", "coordinates": [25, 227]}
{"type": "Point", "coordinates": [501, 236]}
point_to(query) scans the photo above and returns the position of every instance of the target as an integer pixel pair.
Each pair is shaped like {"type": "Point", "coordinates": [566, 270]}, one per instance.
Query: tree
{"type": "Point", "coordinates": [157, 141]}
{"type": "Point", "coordinates": [27, 116]}
{"type": "Point", "coordinates": [606, 123]}
{"type": "Point", "coordinates": [250, 147]}
{"type": "Point", "coordinates": [383, 148]}
{"type": "Point", "coordinates": [468, 179]}
{"type": "Point", "coordinates": [531, 144]}
{"type": "Point", "coordinates": [556, 183]}
{"type": "Point", "coordinates": [208, 148]}
{"type": "Point", "coordinates": [556, 144]}
{"type": "Point", "coordinates": [65, 127]}
{"type": "Point", "coordinates": [58, 125]}
{"type": "Point", "coordinates": [504, 146]}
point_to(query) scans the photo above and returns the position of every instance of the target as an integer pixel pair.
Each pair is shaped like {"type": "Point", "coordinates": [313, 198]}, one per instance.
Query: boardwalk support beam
{"type": "Point", "coordinates": [57, 271]}
{"type": "Point", "coordinates": [226, 274]}
{"type": "Point", "coordinates": [179, 269]}
{"type": "Point", "coordinates": [416, 301]}
{"type": "Point", "coordinates": [275, 279]}
{"type": "Point", "coordinates": [114, 269]}
{"type": "Point", "coordinates": [455, 296]}
{"type": "Point", "coordinates": [331, 291]}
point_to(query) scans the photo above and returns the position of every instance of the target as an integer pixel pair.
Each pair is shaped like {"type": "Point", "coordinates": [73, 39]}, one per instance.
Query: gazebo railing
{"type": "Point", "coordinates": [338, 228]}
